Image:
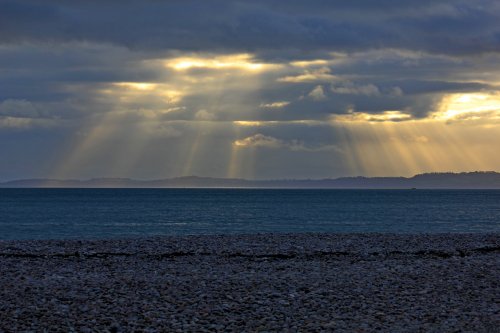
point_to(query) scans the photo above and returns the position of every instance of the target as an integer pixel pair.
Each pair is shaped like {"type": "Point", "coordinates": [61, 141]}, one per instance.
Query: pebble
{"type": "Point", "coordinates": [249, 283]}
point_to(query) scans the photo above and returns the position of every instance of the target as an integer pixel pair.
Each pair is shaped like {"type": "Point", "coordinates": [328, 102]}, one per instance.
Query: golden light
{"type": "Point", "coordinates": [393, 142]}
{"type": "Point", "coordinates": [248, 123]}
{"type": "Point", "coordinates": [412, 147]}
{"type": "Point", "coordinates": [242, 61]}
{"type": "Point", "coordinates": [133, 91]}
{"type": "Point", "coordinates": [241, 143]}
{"type": "Point", "coordinates": [309, 63]}
{"type": "Point", "coordinates": [172, 96]}
{"type": "Point", "coordinates": [469, 106]}
{"type": "Point", "coordinates": [392, 116]}
{"type": "Point", "coordinates": [252, 123]}
{"type": "Point", "coordinates": [137, 85]}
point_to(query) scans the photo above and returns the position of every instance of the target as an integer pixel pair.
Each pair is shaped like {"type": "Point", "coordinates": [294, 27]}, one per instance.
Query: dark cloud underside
{"type": "Point", "coordinates": [445, 27]}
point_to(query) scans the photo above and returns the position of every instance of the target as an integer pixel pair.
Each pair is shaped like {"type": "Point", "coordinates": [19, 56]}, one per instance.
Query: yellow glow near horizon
{"type": "Point", "coordinates": [393, 142]}
{"type": "Point", "coordinates": [412, 147]}
{"type": "Point", "coordinates": [242, 61]}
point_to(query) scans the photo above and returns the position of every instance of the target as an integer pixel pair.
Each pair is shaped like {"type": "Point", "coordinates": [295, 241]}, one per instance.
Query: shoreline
{"type": "Point", "coordinates": [273, 282]}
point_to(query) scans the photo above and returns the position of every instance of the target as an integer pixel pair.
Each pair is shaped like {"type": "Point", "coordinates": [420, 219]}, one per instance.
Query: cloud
{"type": "Point", "coordinates": [77, 81]}
{"type": "Point", "coordinates": [352, 89]}
{"type": "Point", "coordinates": [18, 109]}
{"type": "Point", "coordinates": [25, 123]}
{"type": "Point", "coordinates": [75, 78]}
{"type": "Point", "coordinates": [440, 26]}
{"type": "Point", "coordinates": [204, 115]}
{"type": "Point", "coordinates": [260, 140]}
{"type": "Point", "coordinates": [473, 108]}
{"type": "Point", "coordinates": [318, 75]}
{"type": "Point", "coordinates": [317, 94]}
{"type": "Point", "coordinates": [396, 92]}
{"type": "Point", "coordinates": [309, 63]}
{"type": "Point", "coordinates": [363, 117]}
{"type": "Point", "coordinates": [274, 105]}
{"type": "Point", "coordinates": [294, 71]}
{"type": "Point", "coordinates": [22, 114]}
{"type": "Point", "coordinates": [164, 131]}
{"type": "Point", "coordinates": [264, 141]}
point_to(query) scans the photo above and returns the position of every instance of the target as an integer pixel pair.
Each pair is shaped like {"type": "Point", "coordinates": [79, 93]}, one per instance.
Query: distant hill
{"type": "Point", "coordinates": [465, 180]}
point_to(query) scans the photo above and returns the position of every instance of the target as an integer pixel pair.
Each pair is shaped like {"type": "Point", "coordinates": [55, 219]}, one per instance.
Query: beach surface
{"type": "Point", "coordinates": [268, 282]}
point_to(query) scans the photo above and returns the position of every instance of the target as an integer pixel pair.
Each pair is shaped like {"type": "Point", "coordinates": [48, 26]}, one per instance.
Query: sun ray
{"type": "Point", "coordinates": [373, 144]}
{"type": "Point", "coordinates": [196, 144]}
{"type": "Point", "coordinates": [352, 155]}
{"type": "Point", "coordinates": [234, 161]}
{"type": "Point", "coordinates": [85, 148]}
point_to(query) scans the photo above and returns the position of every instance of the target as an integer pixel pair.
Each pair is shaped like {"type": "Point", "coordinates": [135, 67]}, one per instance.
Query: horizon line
{"type": "Point", "coordinates": [244, 179]}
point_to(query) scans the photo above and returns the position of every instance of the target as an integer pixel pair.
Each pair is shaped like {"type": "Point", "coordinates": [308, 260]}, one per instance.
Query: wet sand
{"type": "Point", "coordinates": [299, 282]}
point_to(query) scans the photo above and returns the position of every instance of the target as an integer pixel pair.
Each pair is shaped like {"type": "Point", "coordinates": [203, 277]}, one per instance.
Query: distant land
{"type": "Point", "coordinates": [465, 180]}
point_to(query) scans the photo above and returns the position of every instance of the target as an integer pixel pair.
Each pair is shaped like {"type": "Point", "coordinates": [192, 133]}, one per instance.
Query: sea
{"type": "Point", "coordinates": [130, 213]}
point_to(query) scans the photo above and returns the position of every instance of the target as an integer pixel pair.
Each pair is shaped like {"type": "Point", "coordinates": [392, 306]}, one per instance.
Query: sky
{"type": "Point", "coordinates": [260, 89]}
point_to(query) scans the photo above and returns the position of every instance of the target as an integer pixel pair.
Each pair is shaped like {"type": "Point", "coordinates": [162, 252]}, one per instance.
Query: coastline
{"type": "Point", "coordinates": [271, 282]}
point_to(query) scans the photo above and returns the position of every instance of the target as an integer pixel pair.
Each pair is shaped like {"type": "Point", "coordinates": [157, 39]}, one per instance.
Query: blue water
{"type": "Point", "coordinates": [120, 213]}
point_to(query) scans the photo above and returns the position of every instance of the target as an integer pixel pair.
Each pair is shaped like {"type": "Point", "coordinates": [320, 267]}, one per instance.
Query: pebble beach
{"type": "Point", "coordinates": [253, 283]}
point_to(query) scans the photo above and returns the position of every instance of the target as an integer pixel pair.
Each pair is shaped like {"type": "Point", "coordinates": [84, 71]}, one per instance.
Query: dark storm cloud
{"type": "Point", "coordinates": [66, 52]}
{"type": "Point", "coordinates": [448, 27]}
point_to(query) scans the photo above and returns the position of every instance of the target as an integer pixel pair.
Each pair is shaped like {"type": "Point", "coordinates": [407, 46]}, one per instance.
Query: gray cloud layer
{"type": "Point", "coordinates": [440, 26]}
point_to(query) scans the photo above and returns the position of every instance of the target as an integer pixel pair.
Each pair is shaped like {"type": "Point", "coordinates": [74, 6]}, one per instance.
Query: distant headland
{"type": "Point", "coordinates": [447, 180]}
